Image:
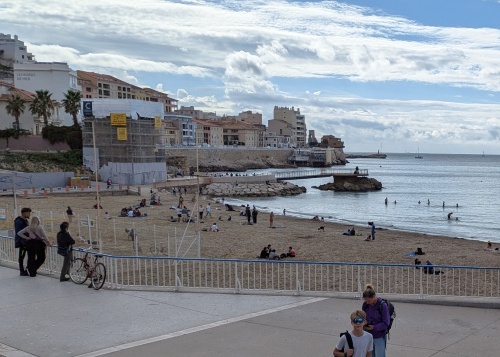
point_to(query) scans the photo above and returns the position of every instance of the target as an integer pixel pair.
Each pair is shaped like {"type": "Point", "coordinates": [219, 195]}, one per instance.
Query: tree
{"type": "Point", "coordinates": [15, 107]}
{"type": "Point", "coordinates": [71, 104]}
{"type": "Point", "coordinates": [43, 105]}
{"type": "Point", "coordinates": [12, 133]}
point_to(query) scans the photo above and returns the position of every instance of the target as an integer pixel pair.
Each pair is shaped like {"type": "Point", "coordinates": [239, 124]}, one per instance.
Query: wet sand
{"type": "Point", "coordinates": [237, 239]}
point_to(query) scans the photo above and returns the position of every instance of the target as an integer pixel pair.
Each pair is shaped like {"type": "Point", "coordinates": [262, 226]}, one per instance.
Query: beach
{"type": "Point", "coordinates": [238, 240]}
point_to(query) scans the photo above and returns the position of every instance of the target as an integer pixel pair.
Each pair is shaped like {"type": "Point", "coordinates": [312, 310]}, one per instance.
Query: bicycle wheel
{"type": "Point", "coordinates": [99, 276]}
{"type": "Point", "coordinates": [78, 271]}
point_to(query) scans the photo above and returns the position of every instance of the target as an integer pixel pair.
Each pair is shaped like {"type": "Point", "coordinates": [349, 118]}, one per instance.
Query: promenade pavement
{"type": "Point", "coordinates": [42, 317]}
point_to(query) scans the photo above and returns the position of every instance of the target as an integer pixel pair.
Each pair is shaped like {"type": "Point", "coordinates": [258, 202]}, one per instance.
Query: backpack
{"type": "Point", "coordinates": [392, 311]}
{"type": "Point", "coordinates": [348, 337]}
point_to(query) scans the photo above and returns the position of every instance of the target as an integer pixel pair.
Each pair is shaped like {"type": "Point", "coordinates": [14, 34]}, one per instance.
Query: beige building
{"type": "Point", "coordinates": [330, 141]}
{"type": "Point", "coordinates": [297, 122]}
{"type": "Point", "coordinates": [240, 133]}
{"type": "Point", "coordinates": [172, 135]}
{"type": "Point", "coordinates": [98, 85]}
{"type": "Point", "coordinates": [282, 128]}
{"type": "Point", "coordinates": [211, 132]}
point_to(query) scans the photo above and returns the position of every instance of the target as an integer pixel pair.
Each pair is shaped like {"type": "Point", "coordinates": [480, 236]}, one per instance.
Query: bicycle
{"type": "Point", "coordinates": [83, 268]}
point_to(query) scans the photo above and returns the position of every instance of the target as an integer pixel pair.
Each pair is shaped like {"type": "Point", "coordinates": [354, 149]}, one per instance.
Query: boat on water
{"type": "Point", "coordinates": [418, 154]}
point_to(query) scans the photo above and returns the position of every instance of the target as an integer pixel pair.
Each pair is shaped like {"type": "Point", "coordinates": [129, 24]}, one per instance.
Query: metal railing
{"type": "Point", "coordinates": [285, 277]}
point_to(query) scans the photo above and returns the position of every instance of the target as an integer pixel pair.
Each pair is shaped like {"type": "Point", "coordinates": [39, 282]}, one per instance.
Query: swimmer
{"type": "Point", "coordinates": [386, 201]}
{"type": "Point", "coordinates": [443, 204]}
{"type": "Point", "coordinates": [395, 202]}
{"type": "Point", "coordinates": [457, 205]}
{"type": "Point", "coordinates": [418, 201]}
{"type": "Point", "coordinates": [428, 202]}
{"type": "Point", "coordinates": [449, 215]}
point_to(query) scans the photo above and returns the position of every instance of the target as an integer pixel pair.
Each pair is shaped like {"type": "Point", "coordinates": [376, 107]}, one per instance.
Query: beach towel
{"type": "Point", "coordinates": [411, 254]}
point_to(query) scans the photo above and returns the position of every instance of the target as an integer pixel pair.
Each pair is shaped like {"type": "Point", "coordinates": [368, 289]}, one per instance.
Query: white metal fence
{"type": "Point", "coordinates": [285, 277]}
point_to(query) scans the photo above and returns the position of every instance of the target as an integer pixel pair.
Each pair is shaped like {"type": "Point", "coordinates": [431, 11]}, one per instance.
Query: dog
{"type": "Point", "coordinates": [322, 228]}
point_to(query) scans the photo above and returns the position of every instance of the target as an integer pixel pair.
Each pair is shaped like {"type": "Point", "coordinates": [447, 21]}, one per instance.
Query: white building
{"type": "Point", "coordinates": [274, 140]}
{"type": "Point", "coordinates": [186, 127]}
{"type": "Point", "coordinates": [13, 50]}
{"type": "Point", "coordinates": [56, 77]}
{"type": "Point", "coordinates": [296, 120]}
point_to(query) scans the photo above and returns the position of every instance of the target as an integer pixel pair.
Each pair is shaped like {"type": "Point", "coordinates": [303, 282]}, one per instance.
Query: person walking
{"type": "Point", "coordinates": [20, 242]}
{"type": "Point", "coordinates": [377, 320]}
{"type": "Point", "coordinates": [65, 241]}
{"type": "Point", "coordinates": [200, 211]}
{"type": "Point", "coordinates": [254, 215]}
{"type": "Point", "coordinates": [271, 220]}
{"type": "Point", "coordinates": [208, 210]}
{"type": "Point", "coordinates": [36, 245]}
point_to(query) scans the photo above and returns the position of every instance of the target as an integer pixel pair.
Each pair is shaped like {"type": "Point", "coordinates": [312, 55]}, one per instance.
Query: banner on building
{"type": "Point", "coordinates": [3, 214]}
{"type": "Point", "coordinates": [121, 133]}
{"type": "Point", "coordinates": [157, 122]}
{"type": "Point", "coordinates": [118, 119]}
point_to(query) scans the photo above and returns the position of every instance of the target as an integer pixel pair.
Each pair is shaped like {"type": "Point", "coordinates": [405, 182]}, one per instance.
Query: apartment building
{"type": "Point", "coordinates": [98, 85]}
{"type": "Point", "coordinates": [212, 133]}
{"type": "Point", "coordinates": [296, 121]}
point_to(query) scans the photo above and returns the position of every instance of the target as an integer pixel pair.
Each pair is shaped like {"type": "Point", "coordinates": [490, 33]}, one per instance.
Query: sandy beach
{"type": "Point", "coordinates": [237, 239]}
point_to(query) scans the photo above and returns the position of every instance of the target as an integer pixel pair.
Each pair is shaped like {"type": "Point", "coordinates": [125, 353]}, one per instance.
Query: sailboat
{"type": "Point", "coordinates": [418, 154]}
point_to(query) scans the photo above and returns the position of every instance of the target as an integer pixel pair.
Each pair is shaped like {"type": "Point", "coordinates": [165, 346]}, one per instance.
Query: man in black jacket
{"type": "Point", "coordinates": [19, 223]}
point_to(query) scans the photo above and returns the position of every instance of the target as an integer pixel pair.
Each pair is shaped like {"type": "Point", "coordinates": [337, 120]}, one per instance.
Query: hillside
{"type": "Point", "coordinates": [43, 161]}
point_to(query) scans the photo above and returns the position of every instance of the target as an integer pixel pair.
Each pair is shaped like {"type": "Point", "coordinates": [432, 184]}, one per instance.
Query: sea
{"type": "Point", "coordinates": [420, 194]}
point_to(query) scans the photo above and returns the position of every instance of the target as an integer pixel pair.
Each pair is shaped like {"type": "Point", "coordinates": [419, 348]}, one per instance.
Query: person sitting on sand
{"type": "Point", "coordinates": [214, 228]}
{"type": "Point", "coordinates": [369, 238]}
{"type": "Point", "coordinates": [123, 212]}
{"type": "Point", "coordinates": [220, 218]}
{"type": "Point", "coordinates": [353, 232]}
{"type": "Point", "coordinates": [291, 252]}
{"type": "Point", "coordinates": [106, 215]}
{"type": "Point", "coordinates": [347, 233]}
{"type": "Point", "coordinates": [429, 269]}
{"type": "Point", "coordinates": [130, 213]}
{"type": "Point", "coordinates": [273, 255]}
{"type": "Point", "coordinates": [229, 218]}
{"type": "Point", "coordinates": [172, 219]}
{"type": "Point", "coordinates": [417, 262]}
{"type": "Point", "coordinates": [264, 253]}
{"type": "Point", "coordinates": [489, 247]}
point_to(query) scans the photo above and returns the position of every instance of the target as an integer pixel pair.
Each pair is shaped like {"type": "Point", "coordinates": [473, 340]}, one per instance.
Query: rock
{"type": "Point", "coordinates": [353, 184]}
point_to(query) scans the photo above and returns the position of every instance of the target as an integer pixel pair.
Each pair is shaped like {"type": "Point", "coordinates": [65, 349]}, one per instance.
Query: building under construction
{"type": "Point", "coordinates": [128, 150]}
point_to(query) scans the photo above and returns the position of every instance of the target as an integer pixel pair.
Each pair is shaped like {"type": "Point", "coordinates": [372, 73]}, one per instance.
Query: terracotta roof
{"type": "Point", "coordinates": [104, 77]}
{"type": "Point", "coordinates": [24, 94]}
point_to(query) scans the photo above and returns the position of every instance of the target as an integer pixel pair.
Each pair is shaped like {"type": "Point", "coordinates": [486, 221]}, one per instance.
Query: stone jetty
{"type": "Point", "coordinates": [253, 189]}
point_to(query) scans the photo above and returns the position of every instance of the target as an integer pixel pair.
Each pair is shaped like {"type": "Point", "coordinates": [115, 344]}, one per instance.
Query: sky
{"type": "Point", "coordinates": [388, 75]}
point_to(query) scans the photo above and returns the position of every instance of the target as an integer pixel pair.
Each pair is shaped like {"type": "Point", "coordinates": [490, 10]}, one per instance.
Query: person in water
{"type": "Point", "coordinates": [449, 215]}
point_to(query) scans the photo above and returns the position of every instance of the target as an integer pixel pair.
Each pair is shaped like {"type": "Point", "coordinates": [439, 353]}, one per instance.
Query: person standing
{"type": "Point", "coordinates": [284, 211]}
{"type": "Point", "coordinates": [248, 213]}
{"type": "Point", "coordinates": [20, 242]}
{"type": "Point", "coordinates": [377, 320]}
{"type": "Point", "coordinates": [36, 245]}
{"type": "Point", "coordinates": [69, 213]}
{"type": "Point", "coordinates": [254, 215]}
{"type": "Point", "coordinates": [64, 240]}
{"type": "Point", "coordinates": [208, 210]}
{"type": "Point", "coordinates": [271, 220]}
{"type": "Point", "coordinates": [362, 342]}
{"type": "Point", "coordinates": [200, 211]}
{"type": "Point", "coordinates": [372, 230]}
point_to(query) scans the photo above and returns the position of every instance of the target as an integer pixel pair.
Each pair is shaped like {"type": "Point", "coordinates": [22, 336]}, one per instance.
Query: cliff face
{"type": "Point", "coordinates": [355, 184]}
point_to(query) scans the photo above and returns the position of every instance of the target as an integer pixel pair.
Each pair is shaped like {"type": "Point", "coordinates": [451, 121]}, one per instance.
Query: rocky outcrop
{"type": "Point", "coordinates": [253, 189]}
{"type": "Point", "coordinates": [355, 184]}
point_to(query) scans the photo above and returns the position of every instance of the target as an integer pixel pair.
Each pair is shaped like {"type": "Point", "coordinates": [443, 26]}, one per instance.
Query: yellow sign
{"type": "Point", "coordinates": [157, 122]}
{"type": "Point", "coordinates": [118, 119]}
{"type": "Point", "coordinates": [121, 133]}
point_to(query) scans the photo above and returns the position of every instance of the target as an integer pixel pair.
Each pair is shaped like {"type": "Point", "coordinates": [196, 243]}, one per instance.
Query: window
{"type": "Point", "coordinates": [105, 86]}
{"type": "Point", "coordinates": [99, 85]}
{"type": "Point", "coordinates": [22, 56]}
{"type": "Point", "coordinates": [119, 87]}
{"type": "Point", "coordinates": [119, 96]}
{"type": "Point", "coordinates": [133, 97]}
{"type": "Point", "coordinates": [100, 91]}
{"type": "Point", "coordinates": [128, 90]}
{"type": "Point", "coordinates": [88, 89]}
{"type": "Point", "coordinates": [128, 96]}
{"type": "Point", "coordinates": [106, 93]}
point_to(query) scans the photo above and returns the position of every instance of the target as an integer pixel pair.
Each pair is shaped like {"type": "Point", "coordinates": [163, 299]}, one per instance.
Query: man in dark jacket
{"type": "Point", "coordinates": [19, 223]}
{"type": "Point", "coordinates": [64, 240]}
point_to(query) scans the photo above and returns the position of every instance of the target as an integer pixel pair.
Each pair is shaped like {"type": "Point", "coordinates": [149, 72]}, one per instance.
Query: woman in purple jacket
{"type": "Point", "coordinates": [377, 320]}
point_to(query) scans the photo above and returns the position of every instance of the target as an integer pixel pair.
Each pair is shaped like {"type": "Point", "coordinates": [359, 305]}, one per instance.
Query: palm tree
{"type": "Point", "coordinates": [71, 104]}
{"type": "Point", "coordinates": [43, 105]}
{"type": "Point", "coordinates": [15, 107]}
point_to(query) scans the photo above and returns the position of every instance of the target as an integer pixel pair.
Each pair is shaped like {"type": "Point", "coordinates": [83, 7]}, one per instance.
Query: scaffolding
{"type": "Point", "coordinates": [144, 143]}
